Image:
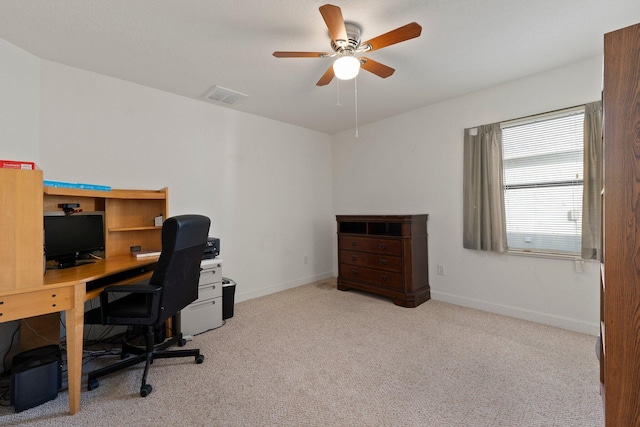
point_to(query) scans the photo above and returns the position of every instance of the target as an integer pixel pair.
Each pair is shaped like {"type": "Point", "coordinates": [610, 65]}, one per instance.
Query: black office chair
{"type": "Point", "coordinates": [172, 287]}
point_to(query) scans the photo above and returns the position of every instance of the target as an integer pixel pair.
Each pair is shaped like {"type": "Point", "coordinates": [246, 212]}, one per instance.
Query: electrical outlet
{"type": "Point", "coordinates": [441, 269]}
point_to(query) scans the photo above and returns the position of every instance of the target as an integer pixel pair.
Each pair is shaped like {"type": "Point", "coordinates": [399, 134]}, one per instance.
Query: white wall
{"type": "Point", "coordinates": [19, 128]}
{"type": "Point", "coordinates": [412, 164]}
{"type": "Point", "coordinates": [19, 103]}
{"type": "Point", "coordinates": [265, 185]}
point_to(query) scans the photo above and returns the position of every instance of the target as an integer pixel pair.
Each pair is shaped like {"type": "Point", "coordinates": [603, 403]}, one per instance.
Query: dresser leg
{"type": "Point", "coordinates": [342, 287]}
{"type": "Point", "coordinates": [401, 303]}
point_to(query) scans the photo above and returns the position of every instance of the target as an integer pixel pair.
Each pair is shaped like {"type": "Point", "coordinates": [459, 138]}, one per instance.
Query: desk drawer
{"type": "Point", "coordinates": [377, 277]}
{"type": "Point", "coordinates": [364, 259]}
{"type": "Point", "coordinates": [210, 275]}
{"type": "Point", "coordinates": [210, 290]}
{"type": "Point", "coordinates": [201, 316]}
{"type": "Point", "coordinates": [368, 244]}
{"type": "Point", "coordinates": [28, 304]}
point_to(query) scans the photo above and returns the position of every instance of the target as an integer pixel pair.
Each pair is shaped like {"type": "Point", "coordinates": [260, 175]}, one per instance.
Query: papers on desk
{"type": "Point", "coordinates": [146, 254]}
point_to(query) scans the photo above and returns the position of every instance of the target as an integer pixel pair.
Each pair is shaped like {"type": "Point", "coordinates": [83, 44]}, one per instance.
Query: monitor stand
{"type": "Point", "coordinates": [73, 262]}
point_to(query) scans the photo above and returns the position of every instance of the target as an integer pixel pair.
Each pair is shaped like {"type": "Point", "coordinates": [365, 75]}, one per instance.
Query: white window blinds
{"type": "Point", "coordinates": [543, 173]}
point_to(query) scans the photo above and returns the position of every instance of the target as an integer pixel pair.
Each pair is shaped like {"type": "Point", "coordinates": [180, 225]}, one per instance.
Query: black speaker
{"type": "Point", "coordinates": [36, 377]}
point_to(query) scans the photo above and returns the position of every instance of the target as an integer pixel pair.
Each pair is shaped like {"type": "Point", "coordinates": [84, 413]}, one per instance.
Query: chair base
{"type": "Point", "coordinates": [146, 355]}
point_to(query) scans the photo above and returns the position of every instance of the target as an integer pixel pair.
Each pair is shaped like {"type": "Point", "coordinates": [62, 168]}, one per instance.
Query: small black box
{"type": "Point", "coordinates": [36, 377]}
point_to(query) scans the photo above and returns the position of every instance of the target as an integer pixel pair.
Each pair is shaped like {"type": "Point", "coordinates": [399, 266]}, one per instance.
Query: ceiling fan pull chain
{"type": "Point", "coordinates": [355, 85]}
{"type": "Point", "coordinates": [338, 86]}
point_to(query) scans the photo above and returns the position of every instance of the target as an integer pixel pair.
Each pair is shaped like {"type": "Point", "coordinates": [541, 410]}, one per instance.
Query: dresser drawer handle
{"type": "Point", "coordinates": [383, 246]}
{"type": "Point", "coordinates": [383, 261]}
{"type": "Point", "coordinates": [383, 278]}
{"type": "Point", "coordinates": [354, 272]}
{"type": "Point", "coordinates": [354, 258]}
{"type": "Point", "coordinates": [354, 243]}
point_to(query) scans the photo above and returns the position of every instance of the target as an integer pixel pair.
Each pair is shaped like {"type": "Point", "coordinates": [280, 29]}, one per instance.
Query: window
{"type": "Point", "coordinates": [543, 180]}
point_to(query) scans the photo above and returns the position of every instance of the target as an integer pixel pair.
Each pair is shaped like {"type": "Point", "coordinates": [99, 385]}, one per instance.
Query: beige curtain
{"type": "Point", "coordinates": [484, 218]}
{"type": "Point", "coordinates": [591, 205]}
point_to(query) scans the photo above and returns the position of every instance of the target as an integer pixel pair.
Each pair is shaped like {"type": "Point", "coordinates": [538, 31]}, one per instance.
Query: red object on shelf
{"type": "Point", "coordinates": [16, 164]}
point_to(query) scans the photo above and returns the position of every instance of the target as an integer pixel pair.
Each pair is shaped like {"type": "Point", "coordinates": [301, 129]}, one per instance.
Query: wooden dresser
{"type": "Point", "coordinates": [385, 255]}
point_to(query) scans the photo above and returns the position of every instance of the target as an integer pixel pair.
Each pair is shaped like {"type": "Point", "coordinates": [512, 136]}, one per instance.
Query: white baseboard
{"type": "Point", "coordinates": [244, 296]}
{"type": "Point", "coordinates": [520, 313]}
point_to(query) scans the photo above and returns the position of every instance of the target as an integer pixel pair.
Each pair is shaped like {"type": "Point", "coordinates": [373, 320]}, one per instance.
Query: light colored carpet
{"type": "Point", "coordinates": [316, 356]}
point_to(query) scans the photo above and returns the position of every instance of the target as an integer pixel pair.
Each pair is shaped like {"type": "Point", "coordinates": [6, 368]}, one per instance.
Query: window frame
{"type": "Point", "coordinates": [556, 114]}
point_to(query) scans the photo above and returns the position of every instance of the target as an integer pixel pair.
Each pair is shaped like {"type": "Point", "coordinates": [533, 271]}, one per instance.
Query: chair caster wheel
{"type": "Point", "coordinates": [182, 342]}
{"type": "Point", "coordinates": [145, 390]}
{"type": "Point", "coordinates": [93, 384]}
{"type": "Point", "coordinates": [199, 358]}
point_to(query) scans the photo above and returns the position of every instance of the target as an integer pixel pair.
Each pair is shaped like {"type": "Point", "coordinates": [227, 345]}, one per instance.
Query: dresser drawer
{"type": "Point", "coordinates": [378, 277]}
{"type": "Point", "coordinates": [369, 244]}
{"type": "Point", "coordinates": [365, 259]}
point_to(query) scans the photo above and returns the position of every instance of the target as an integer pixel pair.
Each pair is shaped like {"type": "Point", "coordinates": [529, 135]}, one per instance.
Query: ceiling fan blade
{"type": "Point", "coordinates": [376, 68]}
{"type": "Point", "coordinates": [326, 77]}
{"type": "Point", "coordinates": [398, 35]}
{"type": "Point", "coordinates": [335, 23]}
{"type": "Point", "coordinates": [280, 54]}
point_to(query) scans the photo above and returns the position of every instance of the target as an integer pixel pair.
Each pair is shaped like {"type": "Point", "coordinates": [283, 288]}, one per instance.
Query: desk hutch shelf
{"type": "Point", "coordinates": [129, 214]}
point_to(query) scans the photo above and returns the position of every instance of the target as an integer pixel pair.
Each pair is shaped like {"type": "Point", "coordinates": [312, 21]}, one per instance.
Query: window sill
{"type": "Point", "coordinates": [548, 255]}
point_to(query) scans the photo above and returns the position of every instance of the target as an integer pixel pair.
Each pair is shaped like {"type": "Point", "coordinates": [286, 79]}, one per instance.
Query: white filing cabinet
{"type": "Point", "coordinates": [205, 313]}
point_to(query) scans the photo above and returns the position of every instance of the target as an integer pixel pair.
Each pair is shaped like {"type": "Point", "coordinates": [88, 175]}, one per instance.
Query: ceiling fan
{"type": "Point", "coordinates": [345, 42]}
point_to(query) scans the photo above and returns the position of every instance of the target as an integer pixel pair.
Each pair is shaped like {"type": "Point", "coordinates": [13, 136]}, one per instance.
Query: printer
{"type": "Point", "coordinates": [212, 248]}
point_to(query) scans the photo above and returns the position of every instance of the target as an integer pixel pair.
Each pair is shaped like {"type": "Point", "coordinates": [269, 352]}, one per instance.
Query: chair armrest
{"type": "Point", "coordinates": [138, 288]}
{"type": "Point", "coordinates": [135, 288]}
{"type": "Point", "coordinates": [140, 305]}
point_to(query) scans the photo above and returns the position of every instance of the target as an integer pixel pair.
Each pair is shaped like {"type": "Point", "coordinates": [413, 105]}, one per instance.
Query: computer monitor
{"type": "Point", "coordinates": [68, 238]}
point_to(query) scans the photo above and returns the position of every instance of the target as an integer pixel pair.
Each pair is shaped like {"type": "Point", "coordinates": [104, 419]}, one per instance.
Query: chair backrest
{"type": "Point", "coordinates": [178, 271]}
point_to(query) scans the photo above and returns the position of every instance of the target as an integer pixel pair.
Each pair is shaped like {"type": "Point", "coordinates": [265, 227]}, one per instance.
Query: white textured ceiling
{"type": "Point", "coordinates": [188, 46]}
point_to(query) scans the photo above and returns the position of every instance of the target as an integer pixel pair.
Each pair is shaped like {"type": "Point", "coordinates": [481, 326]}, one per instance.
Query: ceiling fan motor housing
{"type": "Point", "coordinates": [353, 40]}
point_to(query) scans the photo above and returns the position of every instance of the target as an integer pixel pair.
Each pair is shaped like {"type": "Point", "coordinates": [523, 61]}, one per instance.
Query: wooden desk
{"type": "Point", "coordinates": [25, 292]}
{"type": "Point", "coordinates": [65, 290]}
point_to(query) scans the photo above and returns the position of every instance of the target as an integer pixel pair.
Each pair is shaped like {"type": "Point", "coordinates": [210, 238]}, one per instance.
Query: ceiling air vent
{"type": "Point", "coordinates": [224, 95]}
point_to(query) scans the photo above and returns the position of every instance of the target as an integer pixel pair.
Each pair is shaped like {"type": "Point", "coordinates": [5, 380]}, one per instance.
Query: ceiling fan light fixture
{"type": "Point", "coordinates": [346, 67]}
